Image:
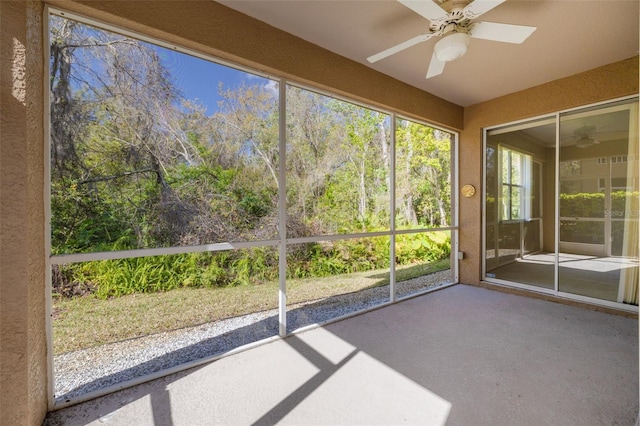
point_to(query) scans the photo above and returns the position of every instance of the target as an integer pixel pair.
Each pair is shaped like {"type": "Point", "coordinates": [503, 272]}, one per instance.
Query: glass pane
{"type": "Point", "coordinates": [491, 252]}
{"type": "Point", "coordinates": [532, 236]}
{"type": "Point", "coordinates": [598, 151]}
{"type": "Point", "coordinates": [505, 156]}
{"type": "Point", "coordinates": [506, 202]}
{"type": "Point", "coordinates": [116, 320]}
{"type": "Point", "coordinates": [582, 232]}
{"type": "Point", "coordinates": [519, 244]}
{"type": "Point", "coordinates": [515, 203]}
{"type": "Point", "coordinates": [516, 168]}
{"type": "Point", "coordinates": [598, 203]}
{"type": "Point", "coordinates": [581, 198]}
{"type": "Point", "coordinates": [423, 262]}
{"type": "Point", "coordinates": [330, 279]}
{"type": "Point", "coordinates": [154, 148]}
{"type": "Point", "coordinates": [510, 240]}
{"type": "Point", "coordinates": [423, 176]}
{"type": "Point", "coordinates": [617, 236]}
{"type": "Point", "coordinates": [338, 173]}
{"type": "Point", "coordinates": [536, 196]}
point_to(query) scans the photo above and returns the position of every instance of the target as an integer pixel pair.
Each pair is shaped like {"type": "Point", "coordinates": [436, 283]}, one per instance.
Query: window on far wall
{"type": "Point", "coordinates": [516, 185]}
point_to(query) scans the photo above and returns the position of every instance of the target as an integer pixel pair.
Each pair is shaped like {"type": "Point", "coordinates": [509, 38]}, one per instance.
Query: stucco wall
{"type": "Point", "coordinates": [608, 82]}
{"type": "Point", "coordinates": [23, 371]}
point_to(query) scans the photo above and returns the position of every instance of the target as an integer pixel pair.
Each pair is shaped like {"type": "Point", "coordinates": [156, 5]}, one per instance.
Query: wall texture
{"type": "Point", "coordinates": [608, 82]}
{"type": "Point", "coordinates": [23, 362]}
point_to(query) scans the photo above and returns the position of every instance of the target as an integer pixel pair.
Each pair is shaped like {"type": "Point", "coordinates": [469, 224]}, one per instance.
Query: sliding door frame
{"type": "Point", "coordinates": [555, 291]}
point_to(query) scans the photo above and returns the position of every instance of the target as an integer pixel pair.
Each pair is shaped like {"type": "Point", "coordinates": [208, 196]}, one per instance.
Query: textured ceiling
{"type": "Point", "coordinates": [572, 36]}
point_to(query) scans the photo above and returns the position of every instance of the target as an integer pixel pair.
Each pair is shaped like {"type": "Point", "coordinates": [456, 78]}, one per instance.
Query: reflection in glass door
{"type": "Point", "coordinates": [518, 239]}
{"type": "Point", "coordinates": [579, 183]}
{"type": "Point", "coordinates": [598, 202]}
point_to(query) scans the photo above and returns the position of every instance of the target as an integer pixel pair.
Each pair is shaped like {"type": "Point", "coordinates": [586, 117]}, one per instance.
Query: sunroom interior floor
{"type": "Point", "coordinates": [462, 355]}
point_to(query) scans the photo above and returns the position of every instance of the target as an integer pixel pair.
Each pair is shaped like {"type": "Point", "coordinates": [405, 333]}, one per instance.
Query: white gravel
{"type": "Point", "coordinates": [80, 372]}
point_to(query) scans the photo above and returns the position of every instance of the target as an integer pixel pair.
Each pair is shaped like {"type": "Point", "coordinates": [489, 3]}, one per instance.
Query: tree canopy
{"type": "Point", "coordinates": [137, 164]}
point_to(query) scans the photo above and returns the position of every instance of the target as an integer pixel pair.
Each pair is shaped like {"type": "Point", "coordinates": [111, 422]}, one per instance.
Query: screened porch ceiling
{"type": "Point", "coordinates": [571, 37]}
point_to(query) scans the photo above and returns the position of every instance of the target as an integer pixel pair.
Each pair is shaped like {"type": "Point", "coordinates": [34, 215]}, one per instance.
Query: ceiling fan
{"type": "Point", "coordinates": [584, 136]}
{"type": "Point", "coordinates": [453, 21]}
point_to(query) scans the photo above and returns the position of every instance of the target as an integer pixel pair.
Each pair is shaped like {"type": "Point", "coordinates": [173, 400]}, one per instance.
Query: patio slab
{"type": "Point", "coordinates": [459, 356]}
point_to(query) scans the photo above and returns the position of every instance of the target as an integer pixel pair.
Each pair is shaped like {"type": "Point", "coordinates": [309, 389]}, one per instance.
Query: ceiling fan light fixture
{"type": "Point", "coordinates": [586, 141]}
{"type": "Point", "coordinates": [452, 46]}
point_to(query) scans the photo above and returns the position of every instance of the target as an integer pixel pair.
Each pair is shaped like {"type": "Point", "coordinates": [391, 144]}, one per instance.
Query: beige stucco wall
{"type": "Point", "coordinates": [608, 82]}
{"type": "Point", "coordinates": [23, 371]}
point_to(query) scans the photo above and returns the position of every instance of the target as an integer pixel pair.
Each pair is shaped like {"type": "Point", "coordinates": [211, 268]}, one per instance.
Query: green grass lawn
{"type": "Point", "coordinates": [88, 321]}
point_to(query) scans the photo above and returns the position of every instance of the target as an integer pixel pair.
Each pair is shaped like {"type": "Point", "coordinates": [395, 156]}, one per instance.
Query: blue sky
{"type": "Point", "coordinates": [198, 78]}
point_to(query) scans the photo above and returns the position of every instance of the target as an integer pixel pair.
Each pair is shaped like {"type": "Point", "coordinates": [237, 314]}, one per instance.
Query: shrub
{"type": "Point", "coordinates": [114, 278]}
{"type": "Point", "coordinates": [413, 248]}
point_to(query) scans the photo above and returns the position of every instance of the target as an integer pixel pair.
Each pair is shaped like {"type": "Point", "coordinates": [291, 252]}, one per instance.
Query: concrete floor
{"type": "Point", "coordinates": [591, 276]}
{"type": "Point", "coordinates": [459, 356]}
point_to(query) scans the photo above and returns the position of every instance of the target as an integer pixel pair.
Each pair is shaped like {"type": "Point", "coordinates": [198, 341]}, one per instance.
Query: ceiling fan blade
{"type": "Point", "coordinates": [399, 47]}
{"type": "Point", "coordinates": [436, 66]}
{"type": "Point", "coordinates": [501, 32]}
{"type": "Point", "coordinates": [425, 8]}
{"type": "Point", "coordinates": [478, 7]}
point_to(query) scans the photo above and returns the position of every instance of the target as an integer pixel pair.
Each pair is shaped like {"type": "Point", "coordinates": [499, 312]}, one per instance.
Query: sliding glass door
{"type": "Point", "coordinates": [519, 161]}
{"type": "Point", "coordinates": [573, 175]}
{"type": "Point", "coordinates": [599, 202]}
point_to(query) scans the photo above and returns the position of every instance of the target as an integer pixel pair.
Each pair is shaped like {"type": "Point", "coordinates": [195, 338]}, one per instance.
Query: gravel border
{"type": "Point", "coordinates": [80, 372]}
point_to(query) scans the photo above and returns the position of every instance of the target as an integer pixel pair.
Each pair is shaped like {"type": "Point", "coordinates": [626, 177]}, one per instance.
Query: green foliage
{"type": "Point", "coordinates": [358, 255]}
{"type": "Point", "coordinates": [82, 225]}
{"type": "Point", "coordinates": [338, 257]}
{"type": "Point", "coordinates": [113, 278]}
{"type": "Point", "coordinates": [591, 204]}
{"type": "Point", "coordinates": [412, 248]}
{"type": "Point", "coordinates": [136, 165]}
{"type": "Point", "coordinates": [623, 201]}
{"type": "Point", "coordinates": [582, 204]}
{"type": "Point", "coordinates": [423, 164]}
